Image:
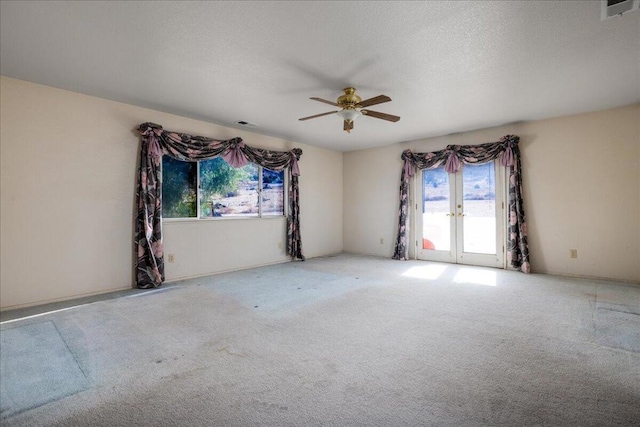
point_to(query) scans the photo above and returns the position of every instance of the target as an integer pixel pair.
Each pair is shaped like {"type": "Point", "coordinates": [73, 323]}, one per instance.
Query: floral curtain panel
{"type": "Point", "coordinates": [157, 142]}
{"type": "Point", "coordinates": [508, 151]}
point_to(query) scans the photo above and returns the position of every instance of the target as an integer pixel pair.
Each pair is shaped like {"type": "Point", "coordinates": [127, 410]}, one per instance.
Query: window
{"type": "Point", "coordinates": [224, 191]}
{"type": "Point", "coordinates": [179, 183]}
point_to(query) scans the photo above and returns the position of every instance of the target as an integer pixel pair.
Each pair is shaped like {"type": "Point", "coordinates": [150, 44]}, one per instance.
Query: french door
{"type": "Point", "coordinates": [460, 217]}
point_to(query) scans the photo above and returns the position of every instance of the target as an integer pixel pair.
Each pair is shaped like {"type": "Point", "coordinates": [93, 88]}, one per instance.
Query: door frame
{"type": "Point", "coordinates": [456, 255]}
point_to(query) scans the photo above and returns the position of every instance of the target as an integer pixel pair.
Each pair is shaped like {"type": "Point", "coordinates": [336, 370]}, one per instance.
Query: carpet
{"type": "Point", "coordinates": [36, 367]}
{"type": "Point", "coordinates": [339, 341]}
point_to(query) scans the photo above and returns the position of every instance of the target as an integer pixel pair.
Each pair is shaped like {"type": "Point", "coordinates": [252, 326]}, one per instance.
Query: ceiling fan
{"type": "Point", "coordinates": [352, 106]}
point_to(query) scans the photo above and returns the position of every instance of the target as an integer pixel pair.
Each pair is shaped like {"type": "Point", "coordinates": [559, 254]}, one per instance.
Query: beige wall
{"type": "Point", "coordinates": [68, 165]}
{"type": "Point", "coordinates": [581, 177]}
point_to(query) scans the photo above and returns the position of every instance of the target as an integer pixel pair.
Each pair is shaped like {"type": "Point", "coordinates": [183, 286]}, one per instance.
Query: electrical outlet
{"type": "Point", "coordinates": [172, 258]}
{"type": "Point", "coordinates": [573, 253]}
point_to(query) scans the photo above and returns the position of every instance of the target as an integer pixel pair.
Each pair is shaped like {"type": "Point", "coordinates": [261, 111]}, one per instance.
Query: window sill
{"type": "Point", "coordinates": [222, 218]}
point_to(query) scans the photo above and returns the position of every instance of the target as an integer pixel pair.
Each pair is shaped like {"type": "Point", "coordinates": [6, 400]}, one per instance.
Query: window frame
{"type": "Point", "coordinates": [260, 216]}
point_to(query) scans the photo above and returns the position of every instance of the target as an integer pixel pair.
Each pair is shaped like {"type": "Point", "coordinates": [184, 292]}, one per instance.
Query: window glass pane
{"type": "Point", "coordinates": [178, 188]}
{"type": "Point", "coordinates": [478, 189]}
{"type": "Point", "coordinates": [272, 192]}
{"type": "Point", "coordinates": [436, 208]}
{"type": "Point", "coordinates": [228, 191]}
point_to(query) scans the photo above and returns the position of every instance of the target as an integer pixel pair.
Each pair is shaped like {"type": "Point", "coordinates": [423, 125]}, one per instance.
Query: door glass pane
{"type": "Point", "coordinates": [436, 224]}
{"type": "Point", "coordinates": [479, 208]}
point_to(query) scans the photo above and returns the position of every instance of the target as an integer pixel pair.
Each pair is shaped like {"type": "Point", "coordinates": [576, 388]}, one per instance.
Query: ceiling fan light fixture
{"type": "Point", "coordinates": [349, 114]}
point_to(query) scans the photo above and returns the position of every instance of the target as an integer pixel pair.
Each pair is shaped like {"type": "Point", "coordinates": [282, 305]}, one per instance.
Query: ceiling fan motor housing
{"type": "Point", "coordinates": [349, 100]}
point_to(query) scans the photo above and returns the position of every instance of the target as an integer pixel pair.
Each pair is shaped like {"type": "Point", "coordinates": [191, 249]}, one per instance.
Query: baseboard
{"type": "Point", "coordinates": [582, 276]}
{"type": "Point", "coordinates": [62, 299]}
{"type": "Point", "coordinates": [180, 279]}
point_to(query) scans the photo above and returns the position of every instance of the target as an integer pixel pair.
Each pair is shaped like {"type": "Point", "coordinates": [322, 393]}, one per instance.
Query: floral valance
{"type": "Point", "coordinates": [190, 148]}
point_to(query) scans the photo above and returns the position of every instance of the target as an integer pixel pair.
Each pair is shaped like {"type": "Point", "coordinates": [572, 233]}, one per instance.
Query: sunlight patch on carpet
{"type": "Point", "coordinates": [427, 272]}
{"type": "Point", "coordinates": [476, 276]}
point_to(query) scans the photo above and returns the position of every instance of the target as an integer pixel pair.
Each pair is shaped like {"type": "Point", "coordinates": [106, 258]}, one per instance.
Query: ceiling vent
{"type": "Point", "coordinates": [612, 8]}
{"type": "Point", "coordinates": [246, 124]}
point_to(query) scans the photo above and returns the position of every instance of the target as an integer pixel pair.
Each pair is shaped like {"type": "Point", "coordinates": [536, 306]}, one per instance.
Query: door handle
{"type": "Point", "coordinates": [451, 214]}
{"type": "Point", "coordinates": [461, 214]}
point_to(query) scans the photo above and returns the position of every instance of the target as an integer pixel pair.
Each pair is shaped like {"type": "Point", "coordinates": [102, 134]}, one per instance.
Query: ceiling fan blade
{"type": "Point", "coordinates": [318, 115]}
{"type": "Point", "coordinates": [348, 126]}
{"type": "Point", "coordinates": [325, 101]}
{"type": "Point", "coordinates": [379, 115]}
{"type": "Point", "coordinates": [374, 101]}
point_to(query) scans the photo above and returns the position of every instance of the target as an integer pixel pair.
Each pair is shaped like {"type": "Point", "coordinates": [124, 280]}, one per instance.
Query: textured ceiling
{"type": "Point", "coordinates": [448, 66]}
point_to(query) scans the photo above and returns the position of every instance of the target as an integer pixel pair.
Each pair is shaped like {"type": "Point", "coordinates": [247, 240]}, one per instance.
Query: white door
{"type": "Point", "coordinates": [461, 216]}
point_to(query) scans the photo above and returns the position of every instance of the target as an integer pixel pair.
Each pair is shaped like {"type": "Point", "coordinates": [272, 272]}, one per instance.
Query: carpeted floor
{"type": "Point", "coordinates": [337, 341]}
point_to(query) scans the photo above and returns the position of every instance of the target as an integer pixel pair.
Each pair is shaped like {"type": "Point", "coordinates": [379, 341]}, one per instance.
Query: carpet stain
{"type": "Point", "coordinates": [270, 406]}
{"type": "Point", "coordinates": [226, 350]}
